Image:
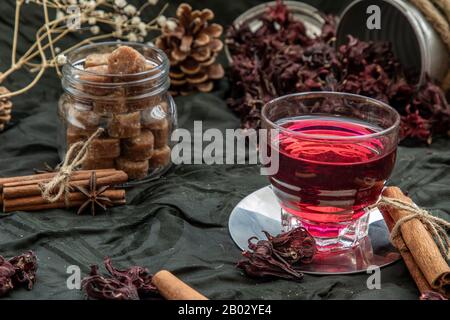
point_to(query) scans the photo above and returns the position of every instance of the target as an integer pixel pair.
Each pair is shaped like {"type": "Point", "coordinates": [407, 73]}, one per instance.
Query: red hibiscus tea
{"type": "Point", "coordinates": [329, 181]}
{"type": "Point", "coordinates": [331, 169]}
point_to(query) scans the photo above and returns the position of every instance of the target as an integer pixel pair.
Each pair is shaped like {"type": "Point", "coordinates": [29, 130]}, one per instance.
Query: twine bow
{"type": "Point", "coordinates": [61, 182]}
{"type": "Point", "coordinates": [437, 227]}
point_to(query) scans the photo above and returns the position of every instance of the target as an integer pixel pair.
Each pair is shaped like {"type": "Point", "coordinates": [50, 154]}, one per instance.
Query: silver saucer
{"type": "Point", "coordinates": [261, 211]}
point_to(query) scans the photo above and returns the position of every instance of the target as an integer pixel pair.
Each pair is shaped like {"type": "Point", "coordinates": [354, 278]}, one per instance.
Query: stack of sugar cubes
{"type": "Point", "coordinates": [136, 137]}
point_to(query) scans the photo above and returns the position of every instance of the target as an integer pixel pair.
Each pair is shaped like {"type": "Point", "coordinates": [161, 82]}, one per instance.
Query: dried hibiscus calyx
{"type": "Point", "coordinates": [17, 271]}
{"type": "Point", "coordinates": [276, 256]}
{"type": "Point", "coordinates": [294, 246]}
{"type": "Point", "coordinates": [280, 58]}
{"type": "Point", "coordinates": [7, 271]}
{"type": "Point", "coordinates": [26, 267]}
{"type": "Point", "coordinates": [133, 283]}
{"type": "Point", "coordinates": [139, 277]}
{"type": "Point", "coordinates": [99, 287]}
{"type": "Point", "coordinates": [414, 126]}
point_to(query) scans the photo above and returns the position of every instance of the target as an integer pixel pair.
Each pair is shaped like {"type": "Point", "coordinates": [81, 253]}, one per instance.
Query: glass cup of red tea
{"type": "Point", "coordinates": [335, 152]}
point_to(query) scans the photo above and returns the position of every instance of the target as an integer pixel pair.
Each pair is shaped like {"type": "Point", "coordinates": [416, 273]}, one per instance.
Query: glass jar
{"type": "Point", "coordinates": [135, 109]}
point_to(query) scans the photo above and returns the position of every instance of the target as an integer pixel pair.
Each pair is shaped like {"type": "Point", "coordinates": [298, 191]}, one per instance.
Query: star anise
{"type": "Point", "coordinates": [94, 196]}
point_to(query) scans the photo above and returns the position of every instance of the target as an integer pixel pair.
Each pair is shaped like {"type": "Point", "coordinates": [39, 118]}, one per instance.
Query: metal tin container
{"type": "Point", "coordinates": [309, 15]}
{"type": "Point", "coordinates": [415, 43]}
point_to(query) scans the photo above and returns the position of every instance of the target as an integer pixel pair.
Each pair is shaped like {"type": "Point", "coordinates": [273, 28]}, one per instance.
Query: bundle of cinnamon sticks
{"type": "Point", "coordinates": [422, 257]}
{"type": "Point", "coordinates": [24, 193]}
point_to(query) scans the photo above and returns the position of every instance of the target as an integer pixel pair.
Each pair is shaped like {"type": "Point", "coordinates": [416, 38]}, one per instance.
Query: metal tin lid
{"type": "Point", "coordinates": [303, 12]}
{"type": "Point", "coordinates": [414, 42]}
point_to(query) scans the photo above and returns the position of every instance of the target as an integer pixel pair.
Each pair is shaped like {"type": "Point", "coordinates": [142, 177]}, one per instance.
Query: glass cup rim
{"type": "Point", "coordinates": [376, 102]}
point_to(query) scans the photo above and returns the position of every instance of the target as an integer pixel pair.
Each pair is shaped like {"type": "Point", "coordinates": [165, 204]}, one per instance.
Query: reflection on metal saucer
{"type": "Point", "coordinates": [261, 211]}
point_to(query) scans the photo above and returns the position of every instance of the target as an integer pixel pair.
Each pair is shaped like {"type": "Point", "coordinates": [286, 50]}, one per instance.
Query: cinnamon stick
{"type": "Point", "coordinates": [44, 177]}
{"type": "Point", "coordinates": [75, 200]}
{"type": "Point", "coordinates": [48, 176]}
{"type": "Point", "coordinates": [421, 245]}
{"type": "Point", "coordinates": [414, 270]}
{"type": "Point", "coordinates": [17, 190]}
{"type": "Point", "coordinates": [172, 288]}
{"type": "Point", "coordinates": [38, 178]}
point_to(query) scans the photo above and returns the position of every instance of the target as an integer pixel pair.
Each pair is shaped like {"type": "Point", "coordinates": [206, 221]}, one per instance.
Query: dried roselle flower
{"type": "Point", "coordinates": [320, 55]}
{"type": "Point", "coordinates": [375, 82]}
{"type": "Point", "coordinates": [262, 262]}
{"type": "Point", "coordinates": [276, 256]}
{"type": "Point", "coordinates": [101, 288]}
{"type": "Point", "coordinates": [380, 53]}
{"type": "Point", "coordinates": [139, 277]}
{"type": "Point", "coordinates": [133, 283]}
{"type": "Point", "coordinates": [280, 58]}
{"type": "Point", "coordinates": [400, 93]}
{"type": "Point", "coordinates": [352, 55]}
{"type": "Point", "coordinates": [329, 28]}
{"type": "Point", "coordinates": [308, 81]}
{"type": "Point", "coordinates": [278, 13]}
{"type": "Point", "coordinates": [7, 271]}
{"type": "Point", "coordinates": [432, 295]}
{"type": "Point", "coordinates": [25, 269]}
{"type": "Point", "coordinates": [432, 105]}
{"type": "Point", "coordinates": [414, 126]}
{"type": "Point", "coordinates": [294, 246]}
{"type": "Point", "coordinates": [17, 271]}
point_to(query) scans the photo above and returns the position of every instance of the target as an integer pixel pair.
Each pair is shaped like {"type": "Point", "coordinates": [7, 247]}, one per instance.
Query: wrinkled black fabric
{"type": "Point", "coordinates": [179, 222]}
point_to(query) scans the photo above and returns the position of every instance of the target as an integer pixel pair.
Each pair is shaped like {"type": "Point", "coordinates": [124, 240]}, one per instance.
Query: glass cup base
{"type": "Point", "coordinates": [348, 234]}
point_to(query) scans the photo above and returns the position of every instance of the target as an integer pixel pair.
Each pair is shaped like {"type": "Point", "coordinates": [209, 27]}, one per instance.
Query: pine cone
{"type": "Point", "coordinates": [5, 109]}
{"type": "Point", "coordinates": [192, 47]}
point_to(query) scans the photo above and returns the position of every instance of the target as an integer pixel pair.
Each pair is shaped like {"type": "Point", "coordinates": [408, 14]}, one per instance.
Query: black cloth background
{"type": "Point", "coordinates": [179, 222]}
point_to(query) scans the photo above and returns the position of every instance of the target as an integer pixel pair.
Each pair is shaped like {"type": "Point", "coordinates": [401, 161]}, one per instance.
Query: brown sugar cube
{"type": "Point", "coordinates": [95, 74]}
{"type": "Point", "coordinates": [160, 131]}
{"type": "Point", "coordinates": [126, 60]}
{"type": "Point", "coordinates": [154, 114]}
{"type": "Point", "coordinates": [96, 59]}
{"type": "Point", "coordinates": [134, 169]}
{"type": "Point", "coordinates": [97, 163]}
{"type": "Point", "coordinates": [134, 104]}
{"type": "Point", "coordinates": [126, 125]}
{"type": "Point", "coordinates": [155, 119]}
{"type": "Point", "coordinates": [138, 148]}
{"type": "Point", "coordinates": [160, 158]}
{"type": "Point", "coordinates": [95, 80]}
{"type": "Point", "coordinates": [144, 83]}
{"type": "Point", "coordinates": [113, 103]}
{"type": "Point", "coordinates": [73, 136]}
{"type": "Point", "coordinates": [110, 106]}
{"type": "Point", "coordinates": [164, 106]}
{"type": "Point", "coordinates": [104, 148]}
{"type": "Point", "coordinates": [143, 86]}
{"type": "Point", "coordinates": [82, 116]}
{"type": "Point", "coordinates": [84, 132]}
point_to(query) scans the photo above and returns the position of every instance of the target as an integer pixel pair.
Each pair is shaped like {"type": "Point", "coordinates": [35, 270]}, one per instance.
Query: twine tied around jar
{"type": "Point", "coordinates": [75, 156]}
{"type": "Point", "coordinates": [437, 227]}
